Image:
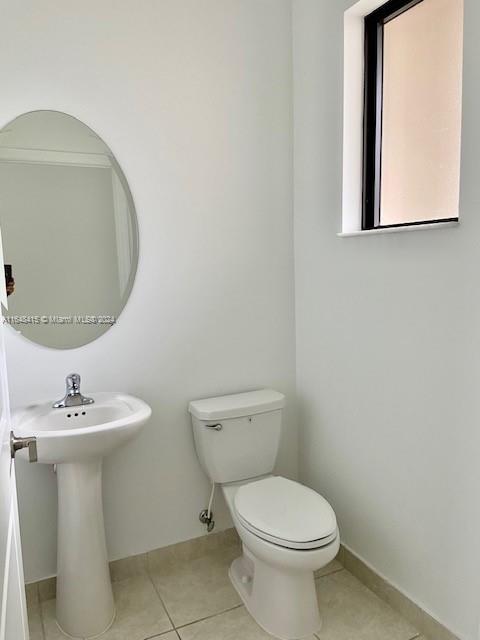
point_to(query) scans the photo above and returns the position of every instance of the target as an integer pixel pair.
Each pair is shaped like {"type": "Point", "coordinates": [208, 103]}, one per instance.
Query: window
{"type": "Point", "coordinates": [412, 117]}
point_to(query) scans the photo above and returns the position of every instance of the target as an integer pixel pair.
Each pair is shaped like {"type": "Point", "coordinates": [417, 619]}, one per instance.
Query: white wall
{"type": "Point", "coordinates": [194, 99]}
{"type": "Point", "coordinates": [388, 349]}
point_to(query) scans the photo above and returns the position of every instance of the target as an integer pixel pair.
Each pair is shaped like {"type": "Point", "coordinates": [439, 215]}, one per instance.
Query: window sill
{"type": "Point", "coordinates": [409, 228]}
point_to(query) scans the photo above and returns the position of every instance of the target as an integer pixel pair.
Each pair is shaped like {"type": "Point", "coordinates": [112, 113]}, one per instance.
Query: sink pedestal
{"type": "Point", "coordinates": [77, 441]}
{"type": "Point", "coordinates": [85, 606]}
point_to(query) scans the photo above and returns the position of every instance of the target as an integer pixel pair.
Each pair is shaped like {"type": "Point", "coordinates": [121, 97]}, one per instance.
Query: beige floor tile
{"type": "Point", "coordinates": [35, 625]}
{"type": "Point", "coordinates": [140, 614]}
{"type": "Point", "coordinates": [232, 625]}
{"type": "Point", "coordinates": [191, 549]}
{"type": "Point", "coordinates": [170, 635]}
{"type": "Point", "coordinates": [198, 588]}
{"type": "Point", "coordinates": [350, 611]}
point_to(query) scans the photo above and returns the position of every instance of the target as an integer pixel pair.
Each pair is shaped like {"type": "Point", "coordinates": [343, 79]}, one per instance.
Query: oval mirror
{"type": "Point", "coordinates": [69, 229]}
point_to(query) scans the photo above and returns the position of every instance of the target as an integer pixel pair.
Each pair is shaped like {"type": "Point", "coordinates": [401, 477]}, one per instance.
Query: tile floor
{"type": "Point", "coordinates": [192, 599]}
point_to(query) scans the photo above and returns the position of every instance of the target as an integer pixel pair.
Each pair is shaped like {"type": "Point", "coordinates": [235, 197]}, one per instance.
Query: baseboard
{"type": "Point", "coordinates": [418, 617]}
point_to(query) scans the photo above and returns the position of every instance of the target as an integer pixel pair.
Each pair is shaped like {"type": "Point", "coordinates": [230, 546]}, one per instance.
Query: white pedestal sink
{"type": "Point", "coordinates": [76, 439]}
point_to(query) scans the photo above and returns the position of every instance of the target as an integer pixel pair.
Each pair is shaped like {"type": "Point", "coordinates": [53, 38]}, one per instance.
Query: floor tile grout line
{"type": "Point", "coordinates": [164, 633]}
{"type": "Point", "coordinates": [187, 624]}
{"type": "Point", "coordinates": [213, 615]}
{"type": "Point", "coordinates": [160, 598]}
{"type": "Point", "coordinates": [175, 627]}
{"type": "Point", "coordinates": [42, 621]}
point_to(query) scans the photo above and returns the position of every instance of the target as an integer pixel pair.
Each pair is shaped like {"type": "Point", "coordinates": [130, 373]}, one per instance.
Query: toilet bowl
{"type": "Point", "coordinates": [275, 575]}
{"type": "Point", "coordinates": [288, 531]}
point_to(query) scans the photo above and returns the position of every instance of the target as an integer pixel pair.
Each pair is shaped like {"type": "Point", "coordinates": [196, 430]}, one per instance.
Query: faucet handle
{"type": "Point", "coordinates": [73, 382]}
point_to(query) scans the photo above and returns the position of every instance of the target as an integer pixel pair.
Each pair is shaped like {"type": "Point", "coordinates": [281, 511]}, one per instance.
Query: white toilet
{"type": "Point", "coordinates": [288, 531]}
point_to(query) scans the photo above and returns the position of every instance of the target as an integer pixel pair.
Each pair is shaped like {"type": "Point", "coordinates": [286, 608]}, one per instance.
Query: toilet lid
{"type": "Point", "coordinates": [286, 513]}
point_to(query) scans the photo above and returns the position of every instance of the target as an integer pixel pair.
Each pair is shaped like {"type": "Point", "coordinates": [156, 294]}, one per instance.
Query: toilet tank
{"type": "Point", "coordinates": [237, 436]}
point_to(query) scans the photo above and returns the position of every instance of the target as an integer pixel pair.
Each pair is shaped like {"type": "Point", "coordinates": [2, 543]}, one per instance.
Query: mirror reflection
{"type": "Point", "coordinates": [69, 230]}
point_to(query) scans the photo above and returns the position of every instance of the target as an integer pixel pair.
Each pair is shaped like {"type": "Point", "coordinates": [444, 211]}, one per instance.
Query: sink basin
{"type": "Point", "coordinates": [76, 439]}
{"type": "Point", "coordinates": [84, 432]}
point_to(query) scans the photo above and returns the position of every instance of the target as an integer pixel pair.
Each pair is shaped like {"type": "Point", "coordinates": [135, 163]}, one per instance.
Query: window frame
{"type": "Point", "coordinates": [373, 112]}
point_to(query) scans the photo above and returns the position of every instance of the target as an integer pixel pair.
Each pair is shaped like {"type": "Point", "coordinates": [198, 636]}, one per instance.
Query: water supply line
{"type": "Point", "coordinates": [206, 515]}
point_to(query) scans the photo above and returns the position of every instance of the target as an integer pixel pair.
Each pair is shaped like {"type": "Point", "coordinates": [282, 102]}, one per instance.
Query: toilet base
{"type": "Point", "coordinates": [283, 602]}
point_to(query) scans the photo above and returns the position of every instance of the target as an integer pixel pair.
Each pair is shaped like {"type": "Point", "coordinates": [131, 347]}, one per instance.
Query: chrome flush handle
{"type": "Point", "coordinates": [214, 427]}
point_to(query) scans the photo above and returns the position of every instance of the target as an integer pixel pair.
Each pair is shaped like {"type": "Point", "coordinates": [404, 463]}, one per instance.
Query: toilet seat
{"type": "Point", "coordinates": [285, 513]}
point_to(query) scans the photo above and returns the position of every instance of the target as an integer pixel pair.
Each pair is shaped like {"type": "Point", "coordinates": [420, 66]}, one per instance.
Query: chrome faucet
{"type": "Point", "coordinates": [73, 397]}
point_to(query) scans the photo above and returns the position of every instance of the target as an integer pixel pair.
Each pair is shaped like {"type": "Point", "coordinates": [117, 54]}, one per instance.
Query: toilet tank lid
{"type": "Point", "coordinates": [237, 405]}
